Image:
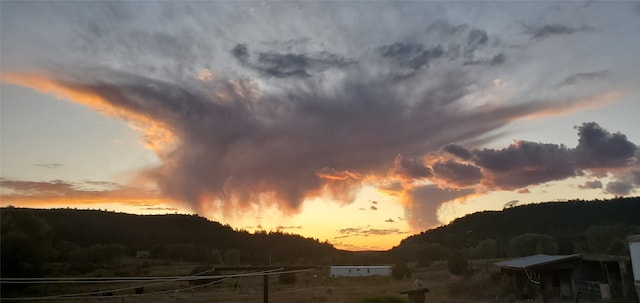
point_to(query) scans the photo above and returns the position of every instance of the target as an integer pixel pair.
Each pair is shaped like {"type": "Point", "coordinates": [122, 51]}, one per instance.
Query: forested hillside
{"type": "Point", "coordinates": [39, 241]}
{"type": "Point", "coordinates": [590, 227]}
{"type": "Point", "coordinates": [84, 239]}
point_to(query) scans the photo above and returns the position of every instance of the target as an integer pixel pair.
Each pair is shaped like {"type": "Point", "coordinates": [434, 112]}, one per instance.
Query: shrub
{"type": "Point", "coordinates": [401, 270]}
{"type": "Point", "coordinates": [457, 263]}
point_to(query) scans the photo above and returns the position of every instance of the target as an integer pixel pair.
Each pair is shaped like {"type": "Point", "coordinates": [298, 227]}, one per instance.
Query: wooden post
{"type": "Point", "coordinates": [265, 288]}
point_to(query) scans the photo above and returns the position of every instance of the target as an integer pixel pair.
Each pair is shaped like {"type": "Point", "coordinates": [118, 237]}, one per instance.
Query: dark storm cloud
{"type": "Point", "coordinates": [284, 65]}
{"type": "Point", "coordinates": [411, 56]}
{"type": "Point", "coordinates": [498, 59]}
{"type": "Point", "coordinates": [302, 110]}
{"type": "Point", "coordinates": [410, 168]}
{"type": "Point", "coordinates": [422, 212]}
{"type": "Point", "coordinates": [548, 30]}
{"type": "Point", "coordinates": [598, 147]}
{"type": "Point", "coordinates": [525, 163]}
{"type": "Point", "coordinates": [528, 163]}
{"type": "Point", "coordinates": [577, 78]}
{"type": "Point", "coordinates": [458, 151]}
{"type": "Point", "coordinates": [619, 188]}
{"type": "Point", "coordinates": [591, 185]}
{"type": "Point", "coordinates": [457, 174]}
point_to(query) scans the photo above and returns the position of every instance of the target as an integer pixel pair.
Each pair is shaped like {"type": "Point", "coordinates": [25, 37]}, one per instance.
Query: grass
{"type": "Point", "coordinates": [314, 286]}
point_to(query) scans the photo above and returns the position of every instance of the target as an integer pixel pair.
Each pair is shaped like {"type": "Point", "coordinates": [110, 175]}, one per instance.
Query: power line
{"type": "Point", "coordinates": [159, 280]}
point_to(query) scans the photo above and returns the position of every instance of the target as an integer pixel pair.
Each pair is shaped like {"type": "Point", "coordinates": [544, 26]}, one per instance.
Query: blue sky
{"type": "Point", "coordinates": [389, 117]}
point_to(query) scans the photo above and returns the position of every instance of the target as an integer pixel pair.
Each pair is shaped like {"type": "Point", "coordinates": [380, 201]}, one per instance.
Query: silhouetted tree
{"type": "Point", "coordinates": [457, 263]}
{"type": "Point", "coordinates": [401, 270]}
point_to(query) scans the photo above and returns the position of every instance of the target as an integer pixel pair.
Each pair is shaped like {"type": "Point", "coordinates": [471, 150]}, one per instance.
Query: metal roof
{"type": "Point", "coordinates": [536, 260]}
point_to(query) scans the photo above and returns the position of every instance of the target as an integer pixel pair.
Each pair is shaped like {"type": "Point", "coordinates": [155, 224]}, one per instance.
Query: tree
{"type": "Point", "coordinates": [401, 270]}
{"type": "Point", "coordinates": [530, 244]}
{"type": "Point", "coordinates": [486, 249]}
{"type": "Point", "coordinates": [457, 263]}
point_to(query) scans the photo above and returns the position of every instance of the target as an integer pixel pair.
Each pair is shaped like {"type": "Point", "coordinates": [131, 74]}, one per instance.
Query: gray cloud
{"type": "Point", "coordinates": [458, 151]}
{"type": "Point", "coordinates": [299, 98]}
{"type": "Point", "coordinates": [421, 213]}
{"type": "Point", "coordinates": [411, 56]}
{"type": "Point", "coordinates": [284, 65]}
{"type": "Point", "coordinates": [619, 188]}
{"type": "Point", "coordinates": [591, 185]}
{"type": "Point", "coordinates": [598, 147]}
{"type": "Point", "coordinates": [410, 168]}
{"type": "Point", "coordinates": [548, 30]}
{"type": "Point", "coordinates": [576, 78]}
{"type": "Point", "coordinates": [455, 173]}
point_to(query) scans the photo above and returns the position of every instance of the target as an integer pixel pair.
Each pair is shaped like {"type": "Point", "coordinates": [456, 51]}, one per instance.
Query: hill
{"type": "Point", "coordinates": [32, 238]}
{"type": "Point", "coordinates": [576, 226]}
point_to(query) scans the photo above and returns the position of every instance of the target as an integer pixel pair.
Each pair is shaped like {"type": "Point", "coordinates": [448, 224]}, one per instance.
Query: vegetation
{"type": "Point", "coordinates": [591, 227]}
{"type": "Point", "coordinates": [457, 263]}
{"type": "Point", "coordinates": [401, 270]}
{"type": "Point", "coordinates": [68, 242]}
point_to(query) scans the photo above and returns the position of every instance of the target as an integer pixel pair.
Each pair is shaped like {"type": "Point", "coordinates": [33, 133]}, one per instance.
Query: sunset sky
{"type": "Point", "coordinates": [360, 123]}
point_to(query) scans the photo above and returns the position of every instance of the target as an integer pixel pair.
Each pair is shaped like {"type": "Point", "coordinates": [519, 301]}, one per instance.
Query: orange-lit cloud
{"type": "Point", "coordinates": [57, 193]}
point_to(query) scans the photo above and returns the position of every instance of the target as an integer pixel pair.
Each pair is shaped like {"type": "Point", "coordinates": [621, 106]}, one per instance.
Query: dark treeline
{"type": "Point", "coordinates": [577, 226]}
{"type": "Point", "coordinates": [52, 242]}
{"type": "Point", "coordinates": [87, 239]}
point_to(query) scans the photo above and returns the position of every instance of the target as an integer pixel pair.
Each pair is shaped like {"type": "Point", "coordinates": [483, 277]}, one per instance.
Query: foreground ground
{"type": "Point", "coordinates": [311, 286]}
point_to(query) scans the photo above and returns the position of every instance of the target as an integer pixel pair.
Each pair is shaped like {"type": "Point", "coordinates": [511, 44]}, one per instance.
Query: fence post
{"type": "Point", "coordinates": [265, 288]}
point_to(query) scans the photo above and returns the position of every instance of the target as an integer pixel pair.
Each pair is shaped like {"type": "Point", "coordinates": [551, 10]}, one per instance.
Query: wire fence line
{"type": "Point", "coordinates": [155, 281]}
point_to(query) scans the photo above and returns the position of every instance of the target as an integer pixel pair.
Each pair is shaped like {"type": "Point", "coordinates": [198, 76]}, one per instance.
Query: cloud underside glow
{"type": "Point", "coordinates": [286, 119]}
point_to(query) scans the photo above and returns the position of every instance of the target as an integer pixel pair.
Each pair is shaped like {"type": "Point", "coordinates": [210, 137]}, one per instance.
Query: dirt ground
{"type": "Point", "coordinates": [311, 286]}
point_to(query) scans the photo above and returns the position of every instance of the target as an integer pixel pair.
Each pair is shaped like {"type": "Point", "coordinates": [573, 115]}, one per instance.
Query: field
{"type": "Point", "coordinates": [310, 286]}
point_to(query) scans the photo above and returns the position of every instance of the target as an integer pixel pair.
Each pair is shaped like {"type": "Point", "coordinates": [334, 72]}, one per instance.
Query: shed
{"type": "Point", "coordinates": [360, 270]}
{"type": "Point", "coordinates": [548, 276]}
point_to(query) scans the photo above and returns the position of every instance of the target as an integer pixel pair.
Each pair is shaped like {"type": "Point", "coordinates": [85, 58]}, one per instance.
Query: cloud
{"type": "Point", "coordinates": [422, 204]}
{"type": "Point", "coordinates": [458, 151]}
{"type": "Point", "coordinates": [281, 116]}
{"type": "Point", "coordinates": [58, 192]}
{"type": "Point", "coordinates": [524, 163]}
{"type": "Point", "coordinates": [548, 30]}
{"type": "Point", "coordinates": [598, 148]}
{"type": "Point", "coordinates": [284, 65]}
{"type": "Point", "coordinates": [367, 231]}
{"type": "Point", "coordinates": [619, 188]}
{"type": "Point", "coordinates": [458, 174]}
{"type": "Point", "coordinates": [49, 165]}
{"type": "Point", "coordinates": [410, 168]}
{"type": "Point", "coordinates": [591, 185]}
{"type": "Point", "coordinates": [410, 57]}
{"type": "Point", "coordinates": [580, 77]}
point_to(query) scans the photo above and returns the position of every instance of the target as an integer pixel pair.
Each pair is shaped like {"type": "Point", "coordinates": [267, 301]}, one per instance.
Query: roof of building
{"type": "Point", "coordinates": [361, 266]}
{"type": "Point", "coordinates": [536, 260]}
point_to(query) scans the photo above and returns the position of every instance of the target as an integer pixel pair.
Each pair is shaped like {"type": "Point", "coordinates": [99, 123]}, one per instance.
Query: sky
{"type": "Point", "coordinates": [358, 123]}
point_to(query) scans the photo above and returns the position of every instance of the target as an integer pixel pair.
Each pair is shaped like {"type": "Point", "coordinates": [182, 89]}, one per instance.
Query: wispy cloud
{"type": "Point", "coordinates": [49, 165]}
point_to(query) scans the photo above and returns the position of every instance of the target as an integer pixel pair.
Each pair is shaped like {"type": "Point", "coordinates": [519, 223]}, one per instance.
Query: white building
{"type": "Point", "coordinates": [360, 270]}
